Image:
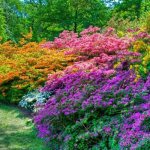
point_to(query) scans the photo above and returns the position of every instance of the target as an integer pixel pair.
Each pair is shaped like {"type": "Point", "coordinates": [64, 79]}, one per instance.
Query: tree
{"type": "Point", "coordinates": [2, 24]}
{"type": "Point", "coordinates": [48, 18]}
{"type": "Point", "coordinates": [57, 15]}
{"type": "Point", "coordinates": [129, 8]}
{"type": "Point", "coordinates": [14, 19]}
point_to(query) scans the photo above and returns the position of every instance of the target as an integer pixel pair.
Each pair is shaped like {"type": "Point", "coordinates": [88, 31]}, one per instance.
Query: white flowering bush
{"type": "Point", "coordinates": [33, 100]}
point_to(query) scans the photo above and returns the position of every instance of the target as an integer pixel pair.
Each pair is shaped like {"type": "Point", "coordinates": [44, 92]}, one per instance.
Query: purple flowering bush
{"type": "Point", "coordinates": [96, 110]}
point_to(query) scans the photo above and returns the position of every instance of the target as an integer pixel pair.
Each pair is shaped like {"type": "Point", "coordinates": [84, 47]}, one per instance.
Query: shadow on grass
{"type": "Point", "coordinates": [15, 133]}
{"type": "Point", "coordinates": [23, 113]}
{"type": "Point", "coordinates": [16, 140]}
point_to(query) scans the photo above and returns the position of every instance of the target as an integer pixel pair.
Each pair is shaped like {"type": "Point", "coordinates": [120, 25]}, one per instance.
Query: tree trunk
{"type": "Point", "coordinates": [75, 22]}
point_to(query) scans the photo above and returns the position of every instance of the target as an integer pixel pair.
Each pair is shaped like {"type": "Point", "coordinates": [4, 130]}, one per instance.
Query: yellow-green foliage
{"type": "Point", "coordinates": [144, 48]}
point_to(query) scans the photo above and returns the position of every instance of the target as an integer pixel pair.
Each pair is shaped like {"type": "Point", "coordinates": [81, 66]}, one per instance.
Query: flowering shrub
{"type": "Point", "coordinates": [93, 49]}
{"type": "Point", "coordinates": [98, 102]}
{"type": "Point", "coordinates": [34, 99]}
{"type": "Point", "coordinates": [135, 130]}
{"type": "Point", "coordinates": [91, 45]}
{"type": "Point", "coordinates": [97, 94]}
{"type": "Point", "coordinates": [25, 67]}
{"type": "Point", "coordinates": [138, 31]}
{"type": "Point", "coordinates": [101, 101]}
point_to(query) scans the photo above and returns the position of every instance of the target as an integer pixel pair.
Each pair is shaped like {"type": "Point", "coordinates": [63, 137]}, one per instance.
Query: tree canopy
{"type": "Point", "coordinates": [47, 18]}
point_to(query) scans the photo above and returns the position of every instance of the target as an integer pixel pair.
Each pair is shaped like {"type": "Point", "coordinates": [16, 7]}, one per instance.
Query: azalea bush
{"type": "Point", "coordinates": [97, 49]}
{"type": "Point", "coordinates": [93, 49]}
{"type": "Point", "coordinates": [138, 32]}
{"type": "Point", "coordinates": [25, 67]}
{"type": "Point", "coordinates": [99, 102]}
{"type": "Point", "coordinates": [91, 108]}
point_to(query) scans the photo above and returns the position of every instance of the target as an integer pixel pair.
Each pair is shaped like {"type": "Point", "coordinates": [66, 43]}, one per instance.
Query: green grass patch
{"type": "Point", "coordinates": [17, 132]}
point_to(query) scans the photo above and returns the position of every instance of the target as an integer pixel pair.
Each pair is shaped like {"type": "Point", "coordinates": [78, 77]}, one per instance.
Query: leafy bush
{"type": "Point", "coordinates": [34, 99]}
{"type": "Point", "coordinates": [82, 104]}
{"type": "Point", "coordinates": [141, 45]}
{"type": "Point", "coordinates": [25, 67]}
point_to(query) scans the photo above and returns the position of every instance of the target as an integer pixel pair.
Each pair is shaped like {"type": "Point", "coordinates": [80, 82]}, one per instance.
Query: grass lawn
{"type": "Point", "coordinates": [17, 132]}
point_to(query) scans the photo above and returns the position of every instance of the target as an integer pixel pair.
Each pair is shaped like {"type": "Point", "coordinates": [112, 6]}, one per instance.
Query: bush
{"type": "Point", "coordinates": [34, 99]}
{"type": "Point", "coordinates": [25, 67]}
{"type": "Point", "coordinates": [85, 106]}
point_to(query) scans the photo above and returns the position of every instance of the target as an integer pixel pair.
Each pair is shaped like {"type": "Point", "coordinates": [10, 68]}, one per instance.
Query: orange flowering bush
{"type": "Point", "coordinates": [25, 67]}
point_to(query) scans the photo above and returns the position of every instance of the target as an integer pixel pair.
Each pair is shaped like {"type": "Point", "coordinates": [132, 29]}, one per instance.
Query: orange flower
{"type": "Point", "coordinates": [28, 64]}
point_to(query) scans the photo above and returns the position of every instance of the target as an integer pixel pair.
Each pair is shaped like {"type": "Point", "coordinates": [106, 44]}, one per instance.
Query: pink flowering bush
{"type": "Point", "coordinates": [93, 46]}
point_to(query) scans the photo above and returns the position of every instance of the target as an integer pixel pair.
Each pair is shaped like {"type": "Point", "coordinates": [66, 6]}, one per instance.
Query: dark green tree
{"type": "Point", "coordinates": [50, 17]}
{"type": "Point", "coordinates": [129, 8]}
{"type": "Point", "coordinates": [2, 24]}
{"type": "Point", "coordinates": [14, 18]}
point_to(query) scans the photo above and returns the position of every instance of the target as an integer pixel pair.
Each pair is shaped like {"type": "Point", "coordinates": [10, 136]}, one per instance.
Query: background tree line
{"type": "Point", "coordinates": [47, 18]}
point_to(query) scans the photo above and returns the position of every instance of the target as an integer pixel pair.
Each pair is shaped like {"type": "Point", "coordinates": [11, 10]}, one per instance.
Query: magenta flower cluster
{"type": "Point", "coordinates": [93, 48]}
{"type": "Point", "coordinates": [79, 91]}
